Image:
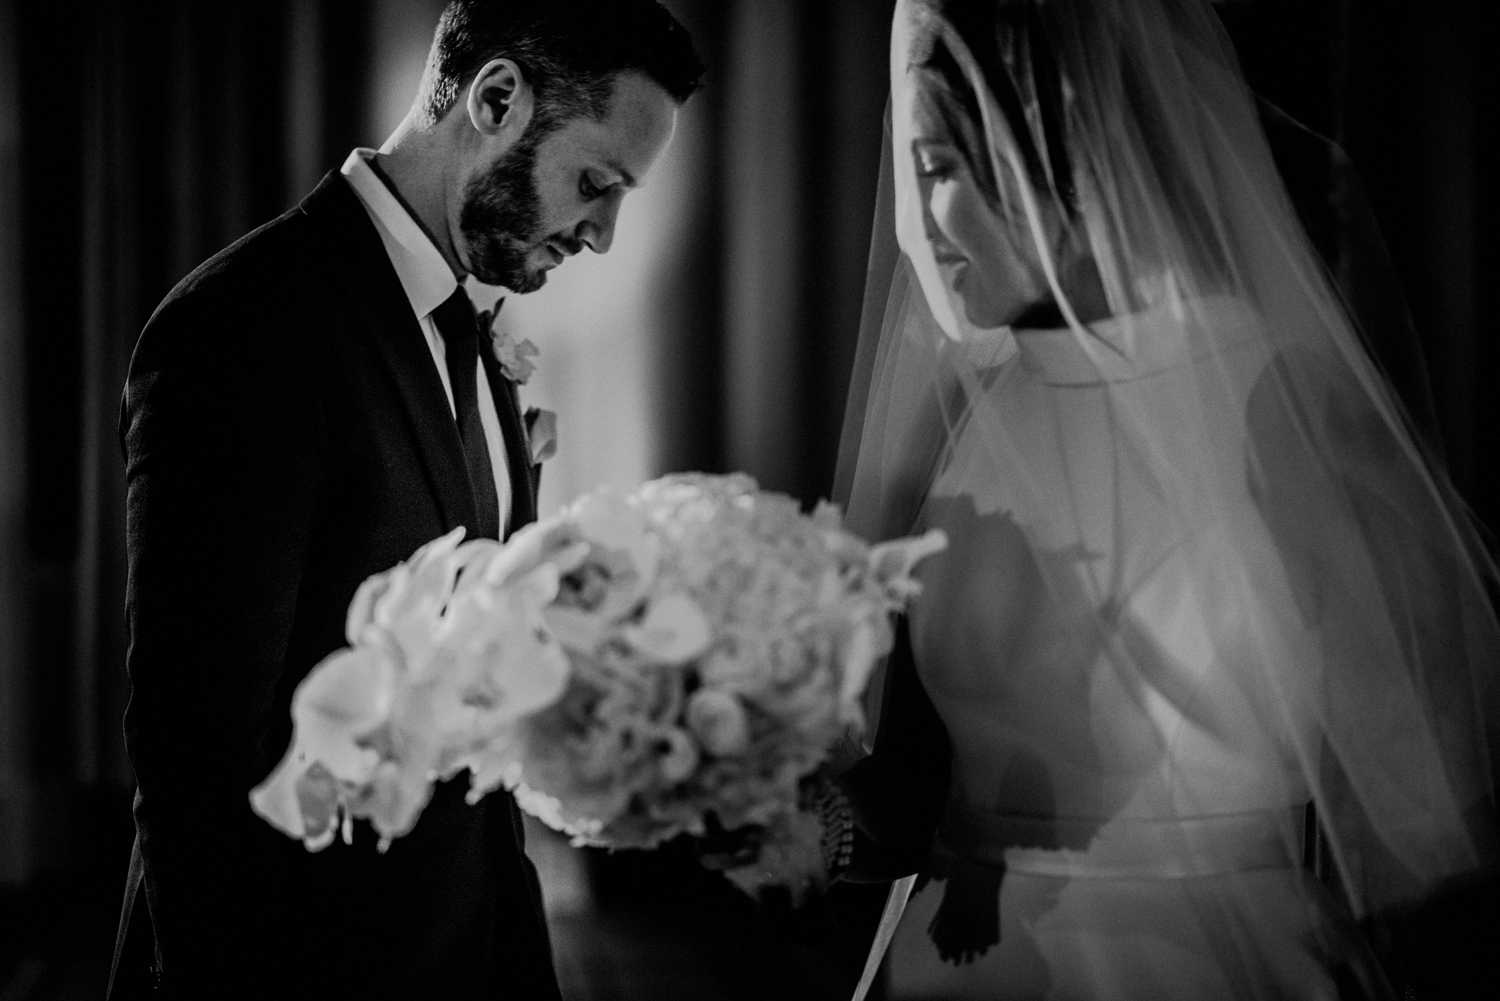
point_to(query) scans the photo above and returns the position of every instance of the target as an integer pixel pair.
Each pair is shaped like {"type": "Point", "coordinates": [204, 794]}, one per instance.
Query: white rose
{"type": "Point", "coordinates": [718, 721]}
{"type": "Point", "coordinates": [680, 758]}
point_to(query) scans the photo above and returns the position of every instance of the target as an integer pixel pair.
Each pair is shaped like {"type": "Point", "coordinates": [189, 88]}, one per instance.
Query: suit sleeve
{"type": "Point", "coordinates": [224, 441]}
{"type": "Point", "coordinates": [897, 793]}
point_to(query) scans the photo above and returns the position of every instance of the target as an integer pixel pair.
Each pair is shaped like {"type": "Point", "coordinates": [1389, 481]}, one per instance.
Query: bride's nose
{"type": "Point", "coordinates": [935, 200]}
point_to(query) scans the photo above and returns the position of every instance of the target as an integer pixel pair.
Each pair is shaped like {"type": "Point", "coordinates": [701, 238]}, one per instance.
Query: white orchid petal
{"type": "Point", "coordinates": [539, 587]}
{"type": "Point", "coordinates": [578, 631]}
{"type": "Point", "coordinates": [395, 798]}
{"type": "Point", "coordinates": [321, 840]}
{"type": "Point", "coordinates": [532, 677]}
{"type": "Point", "coordinates": [426, 573]}
{"type": "Point", "coordinates": [362, 608]}
{"type": "Point", "coordinates": [344, 759]}
{"type": "Point", "coordinates": [450, 715]}
{"type": "Point", "coordinates": [388, 602]}
{"type": "Point", "coordinates": [571, 558]}
{"type": "Point", "coordinates": [506, 660]}
{"type": "Point", "coordinates": [552, 540]}
{"type": "Point", "coordinates": [437, 548]}
{"type": "Point", "coordinates": [523, 550]}
{"type": "Point", "coordinates": [351, 690]}
{"type": "Point", "coordinates": [275, 799]}
{"type": "Point", "coordinates": [470, 564]}
{"type": "Point", "coordinates": [346, 697]}
{"type": "Point", "coordinates": [318, 803]}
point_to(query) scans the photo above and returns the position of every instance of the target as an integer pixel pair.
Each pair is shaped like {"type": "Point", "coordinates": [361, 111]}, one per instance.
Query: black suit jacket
{"type": "Point", "coordinates": [286, 435]}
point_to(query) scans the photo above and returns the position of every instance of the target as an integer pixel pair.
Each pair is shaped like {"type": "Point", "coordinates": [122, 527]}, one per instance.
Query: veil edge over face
{"type": "Point", "coordinates": [1393, 718]}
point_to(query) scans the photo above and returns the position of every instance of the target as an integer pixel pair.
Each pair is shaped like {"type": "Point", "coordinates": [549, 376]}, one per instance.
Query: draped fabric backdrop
{"type": "Point", "coordinates": [137, 138]}
{"type": "Point", "coordinates": [13, 778]}
{"type": "Point", "coordinates": [1409, 91]}
{"type": "Point", "coordinates": [146, 136]}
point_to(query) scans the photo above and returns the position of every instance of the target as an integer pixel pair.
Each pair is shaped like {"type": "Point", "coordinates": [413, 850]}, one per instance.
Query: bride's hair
{"type": "Point", "coordinates": [1049, 116]}
{"type": "Point", "coordinates": [989, 34]}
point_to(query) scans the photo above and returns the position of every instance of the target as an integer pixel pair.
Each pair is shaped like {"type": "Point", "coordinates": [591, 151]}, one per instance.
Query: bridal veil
{"type": "Point", "coordinates": [1129, 121]}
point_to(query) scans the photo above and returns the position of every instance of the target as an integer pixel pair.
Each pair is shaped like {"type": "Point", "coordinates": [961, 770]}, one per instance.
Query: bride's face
{"type": "Point", "coordinates": [980, 238]}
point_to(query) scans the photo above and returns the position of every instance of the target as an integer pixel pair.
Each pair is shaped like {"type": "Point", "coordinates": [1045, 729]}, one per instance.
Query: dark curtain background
{"type": "Point", "coordinates": [137, 138]}
{"type": "Point", "coordinates": [151, 136]}
{"type": "Point", "coordinates": [1409, 91]}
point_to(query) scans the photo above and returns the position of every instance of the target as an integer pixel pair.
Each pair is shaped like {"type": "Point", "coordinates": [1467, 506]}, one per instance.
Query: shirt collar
{"type": "Point", "coordinates": [424, 275]}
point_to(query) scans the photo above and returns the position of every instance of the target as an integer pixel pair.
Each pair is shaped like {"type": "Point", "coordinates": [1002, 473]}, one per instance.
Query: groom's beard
{"type": "Point", "coordinates": [500, 218]}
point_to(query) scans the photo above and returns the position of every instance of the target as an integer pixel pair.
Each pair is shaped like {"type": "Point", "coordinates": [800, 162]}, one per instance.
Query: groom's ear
{"type": "Point", "coordinates": [500, 100]}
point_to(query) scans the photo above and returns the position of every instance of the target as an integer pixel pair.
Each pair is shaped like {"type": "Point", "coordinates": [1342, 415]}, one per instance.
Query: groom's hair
{"type": "Point", "coordinates": [570, 51]}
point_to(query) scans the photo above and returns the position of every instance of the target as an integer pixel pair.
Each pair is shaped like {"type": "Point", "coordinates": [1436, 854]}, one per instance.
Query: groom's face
{"type": "Point", "coordinates": [541, 202]}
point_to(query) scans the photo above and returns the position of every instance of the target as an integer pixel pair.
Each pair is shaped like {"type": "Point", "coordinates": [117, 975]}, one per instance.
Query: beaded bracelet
{"type": "Point", "coordinates": [837, 818]}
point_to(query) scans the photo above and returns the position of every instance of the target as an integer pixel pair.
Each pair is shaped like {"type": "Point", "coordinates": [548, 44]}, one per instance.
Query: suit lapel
{"type": "Point", "coordinates": [517, 449]}
{"type": "Point", "coordinates": [364, 274]}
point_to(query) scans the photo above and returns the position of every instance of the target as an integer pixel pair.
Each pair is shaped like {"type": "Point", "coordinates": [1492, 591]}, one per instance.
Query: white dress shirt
{"type": "Point", "coordinates": [428, 282]}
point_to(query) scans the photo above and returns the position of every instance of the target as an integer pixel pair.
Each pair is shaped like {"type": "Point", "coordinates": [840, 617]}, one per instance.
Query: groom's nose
{"type": "Point", "coordinates": [598, 230]}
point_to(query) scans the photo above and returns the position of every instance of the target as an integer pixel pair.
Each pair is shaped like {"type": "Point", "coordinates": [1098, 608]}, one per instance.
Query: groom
{"type": "Point", "coordinates": [306, 409]}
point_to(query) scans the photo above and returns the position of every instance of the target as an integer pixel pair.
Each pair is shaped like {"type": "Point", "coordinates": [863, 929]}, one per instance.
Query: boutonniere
{"type": "Point", "coordinates": [515, 357]}
{"type": "Point", "coordinates": [541, 433]}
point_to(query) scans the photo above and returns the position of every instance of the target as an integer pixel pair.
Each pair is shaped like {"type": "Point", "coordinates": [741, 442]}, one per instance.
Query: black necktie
{"type": "Point", "coordinates": [460, 331]}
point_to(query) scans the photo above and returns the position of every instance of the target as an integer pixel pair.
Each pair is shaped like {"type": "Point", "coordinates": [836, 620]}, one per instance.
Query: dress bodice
{"type": "Point", "coordinates": [1108, 631]}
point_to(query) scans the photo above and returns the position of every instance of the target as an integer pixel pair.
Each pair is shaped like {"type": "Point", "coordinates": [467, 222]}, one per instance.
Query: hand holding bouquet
{"type": "Point", "coordinates": [635, 668]}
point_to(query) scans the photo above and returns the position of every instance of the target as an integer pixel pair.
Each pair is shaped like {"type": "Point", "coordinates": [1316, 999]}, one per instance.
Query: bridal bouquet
{"type": "Point", "coordinates": [637, 667]}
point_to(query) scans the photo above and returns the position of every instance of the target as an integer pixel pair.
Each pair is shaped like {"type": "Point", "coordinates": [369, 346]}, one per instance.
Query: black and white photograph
{"type": "Point", "coordinates": [749, 500]}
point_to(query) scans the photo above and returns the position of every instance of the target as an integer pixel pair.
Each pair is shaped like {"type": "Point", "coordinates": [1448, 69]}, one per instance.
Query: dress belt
{"type": "Point", "coordinates": [1126, 848]}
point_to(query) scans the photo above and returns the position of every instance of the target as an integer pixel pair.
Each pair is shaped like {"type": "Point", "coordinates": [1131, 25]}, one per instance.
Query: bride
{"type": "Point", "coordinates": [1207, 607]}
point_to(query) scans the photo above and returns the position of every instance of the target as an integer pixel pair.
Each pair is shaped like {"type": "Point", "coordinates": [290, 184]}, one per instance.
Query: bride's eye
{"type": "Point", "coordinates": [934, 164]}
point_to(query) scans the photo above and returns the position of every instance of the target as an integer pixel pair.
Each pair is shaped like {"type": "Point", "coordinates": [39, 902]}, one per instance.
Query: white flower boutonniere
{"type": "Point", "coordinates": [515, 357]}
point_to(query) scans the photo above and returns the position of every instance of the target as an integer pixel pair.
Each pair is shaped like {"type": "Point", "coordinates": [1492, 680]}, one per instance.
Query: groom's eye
{"type": "Point", "coordinates": [588, 189]}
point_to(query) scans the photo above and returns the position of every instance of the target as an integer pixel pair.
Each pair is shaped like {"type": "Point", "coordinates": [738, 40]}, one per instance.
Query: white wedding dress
{"type": "Point", "coordinates": [1148, 853]}
{"type": "Point", "coordinates": [1200, 574]}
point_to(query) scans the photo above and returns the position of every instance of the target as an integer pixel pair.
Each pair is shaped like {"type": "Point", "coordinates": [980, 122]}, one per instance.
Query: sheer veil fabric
{"type": "Point", "coordinates": [1202, 567]}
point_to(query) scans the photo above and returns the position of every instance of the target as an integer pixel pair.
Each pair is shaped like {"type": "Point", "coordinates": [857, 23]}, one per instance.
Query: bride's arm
{"type": "Point", "coordinates": [891, 800]}
{"type": "Point", "coordinates": [1376, 567]}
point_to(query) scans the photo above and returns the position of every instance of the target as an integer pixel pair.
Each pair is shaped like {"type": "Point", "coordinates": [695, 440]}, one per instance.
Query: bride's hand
{"type": "Point", "coordinates": [967, 923]}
